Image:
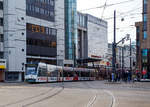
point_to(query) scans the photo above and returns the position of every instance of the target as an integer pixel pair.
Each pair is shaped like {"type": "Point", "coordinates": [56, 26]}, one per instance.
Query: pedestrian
{"type": "Point", "coordinates": [112, 76]}
{"type": "Point", "coordinates": [133, 77]}
{"type": "Point", "coordinates": [144, 72]}
{"type": "Point", "coordinates": [129, 76]}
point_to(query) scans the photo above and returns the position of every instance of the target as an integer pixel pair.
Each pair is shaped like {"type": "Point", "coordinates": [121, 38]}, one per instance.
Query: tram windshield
{"type": "Point", "coordinates": [31, 70]}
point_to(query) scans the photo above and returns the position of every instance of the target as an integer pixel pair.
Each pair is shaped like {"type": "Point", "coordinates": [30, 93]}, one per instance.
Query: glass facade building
{"type": "Point", "coordinates": [70, 29]}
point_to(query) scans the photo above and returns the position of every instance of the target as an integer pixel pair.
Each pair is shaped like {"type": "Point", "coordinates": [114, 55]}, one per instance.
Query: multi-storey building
{"type": "Point", "coordinates": [34, 32]}
{"type": "Point", "coordinates": [143, 41]}
{"type": "Point", "coordinates": [139, 38]}
{"type": "Point", "coordinates": [46, 31]}
{"type": "Point", "coordinates": [92, 36]}
{"type": "Point", "coordinates": [123, 56]}
{"type": "Point", "coordinates": [2, 60]}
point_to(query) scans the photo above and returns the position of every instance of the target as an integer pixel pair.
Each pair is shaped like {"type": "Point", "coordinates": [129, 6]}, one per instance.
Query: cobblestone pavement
{"type": "Point", "coordinates": [75, 94]}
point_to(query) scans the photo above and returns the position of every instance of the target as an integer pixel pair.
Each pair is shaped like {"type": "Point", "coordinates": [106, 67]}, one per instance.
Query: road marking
{"type": "Point", "coordinates": [113, 102]}
{"type": "Point", "coordinates": [91, 102]}
{"type": "Point", "coordinates": [93, 99]}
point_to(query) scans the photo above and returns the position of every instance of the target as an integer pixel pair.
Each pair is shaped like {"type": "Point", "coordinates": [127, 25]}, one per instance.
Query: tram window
{"type": "Point", "coordinates": [54, 74]}
{"type": "Point", "coordinates": [82, 74]}
{"type": "Point", "coordinates": [77, 73]}
{"type": "Point", "coordinates": [65, 74]}
{"type": "Point", "coordinates": [42, 72]}
{"type": "Point", "coordinates": [49, 74]}
{"type": "Point", "coordinates": [87, 74]}
{"type": "Point", "coordinates": [60, 73]}
{"type": "Point", "coordinates": [70, 74]}
{"type": "Point", "coordinates": [92, 74]}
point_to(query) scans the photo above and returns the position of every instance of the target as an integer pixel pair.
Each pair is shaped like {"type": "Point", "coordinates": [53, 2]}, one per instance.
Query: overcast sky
{"type": "Point", "coordinates": [130, 11]}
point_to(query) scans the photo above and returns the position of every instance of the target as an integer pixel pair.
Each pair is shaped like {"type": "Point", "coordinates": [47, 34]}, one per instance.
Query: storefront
{"type": "Point", "coordinates": [2, 69]}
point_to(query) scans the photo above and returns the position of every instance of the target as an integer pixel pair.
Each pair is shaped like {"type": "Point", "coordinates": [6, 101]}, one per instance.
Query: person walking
{"type": "Point", "coordinates": [112, 77]}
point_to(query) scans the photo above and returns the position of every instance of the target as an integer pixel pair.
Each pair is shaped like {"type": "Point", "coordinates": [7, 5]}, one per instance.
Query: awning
{"type": "Point", "coordinates": [88, 60]}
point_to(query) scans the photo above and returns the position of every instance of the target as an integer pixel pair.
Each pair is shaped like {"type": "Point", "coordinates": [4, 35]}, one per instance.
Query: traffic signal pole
{"type": "Point", "coordinates": [130, 56]}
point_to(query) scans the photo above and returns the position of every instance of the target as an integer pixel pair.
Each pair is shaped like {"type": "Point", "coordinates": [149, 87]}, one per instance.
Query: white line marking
{"type": "Point", "coordinates": [113, 98]}
{"type": "Point", "coordinates": [91, 102]}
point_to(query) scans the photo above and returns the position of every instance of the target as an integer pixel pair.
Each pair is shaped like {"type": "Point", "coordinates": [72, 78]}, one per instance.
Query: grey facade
{"type": "Point", "coordinates": [33, 31]}
{"type": "Point", "coordinates": [46, 30]}
{"type": "Point", "coordinates": [92, 36]}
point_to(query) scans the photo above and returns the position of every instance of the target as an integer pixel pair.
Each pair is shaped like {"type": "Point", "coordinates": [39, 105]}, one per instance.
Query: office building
{"type": "Point", "coordinates": [46, 31]}
{"type": "Point", "coordinates": [33, 32]}
{"type": "Point", "coordinates": [92, 36]}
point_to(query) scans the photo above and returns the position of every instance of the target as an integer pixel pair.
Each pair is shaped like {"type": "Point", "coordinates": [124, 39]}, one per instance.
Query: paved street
{"type": "Point", "coordinates": [75, 94]}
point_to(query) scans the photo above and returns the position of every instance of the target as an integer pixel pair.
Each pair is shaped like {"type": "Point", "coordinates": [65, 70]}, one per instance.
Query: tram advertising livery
{"type": "Point", "coordinates": [42, 72]}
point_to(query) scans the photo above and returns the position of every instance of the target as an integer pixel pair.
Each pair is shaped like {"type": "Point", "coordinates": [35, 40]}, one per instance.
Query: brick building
{"type": "Point", "coordinates": [143, 41]}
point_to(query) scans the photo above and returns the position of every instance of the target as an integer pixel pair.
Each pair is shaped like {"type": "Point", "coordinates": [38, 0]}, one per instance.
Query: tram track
{"type": "Point", "coordinates": [44, 98]}
{"type": "Point", "coordinates": [94, 99]}
{"type": "Point", "coordinates": [26, 99]}
{"type": "Point", "coordinates": [35, 97]}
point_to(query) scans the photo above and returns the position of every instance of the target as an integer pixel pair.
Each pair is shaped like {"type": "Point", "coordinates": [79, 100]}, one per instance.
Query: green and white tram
{"type": "Point", "coordinates": [42, 72]}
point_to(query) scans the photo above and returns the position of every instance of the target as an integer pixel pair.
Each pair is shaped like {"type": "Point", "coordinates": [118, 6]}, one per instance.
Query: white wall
{"type": "Point", "coordinates": [97, 40]}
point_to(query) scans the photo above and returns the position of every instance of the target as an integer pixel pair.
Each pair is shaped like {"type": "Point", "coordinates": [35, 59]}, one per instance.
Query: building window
{"type": "Point", "coordinates": [43, 9]}
{"type": "Point", "coordinates": [144, 34]}
{"type": "Point", "coordinates": [145, 18]}
{"type": "Point", "coordinates": [144, 52]}
{"type": "Point", "coordinates": [144, 56]}
{"type": "Point", "coordinates": [1, 21]}
{"type": "Point", "coordinates": [1, 5]}
{"type": "Point", "coordinates": [138, 43]}
{"type": "Point", "coordinates": [145, 6]}
{"type": "Point", "coordinates": [138, 29]}
{"type": "Point", "coordinates": [145, 1]}
{"type": "Point", "coordinates": [144, 26]}
{"type": "Point", "coordinates": [1, 38]}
